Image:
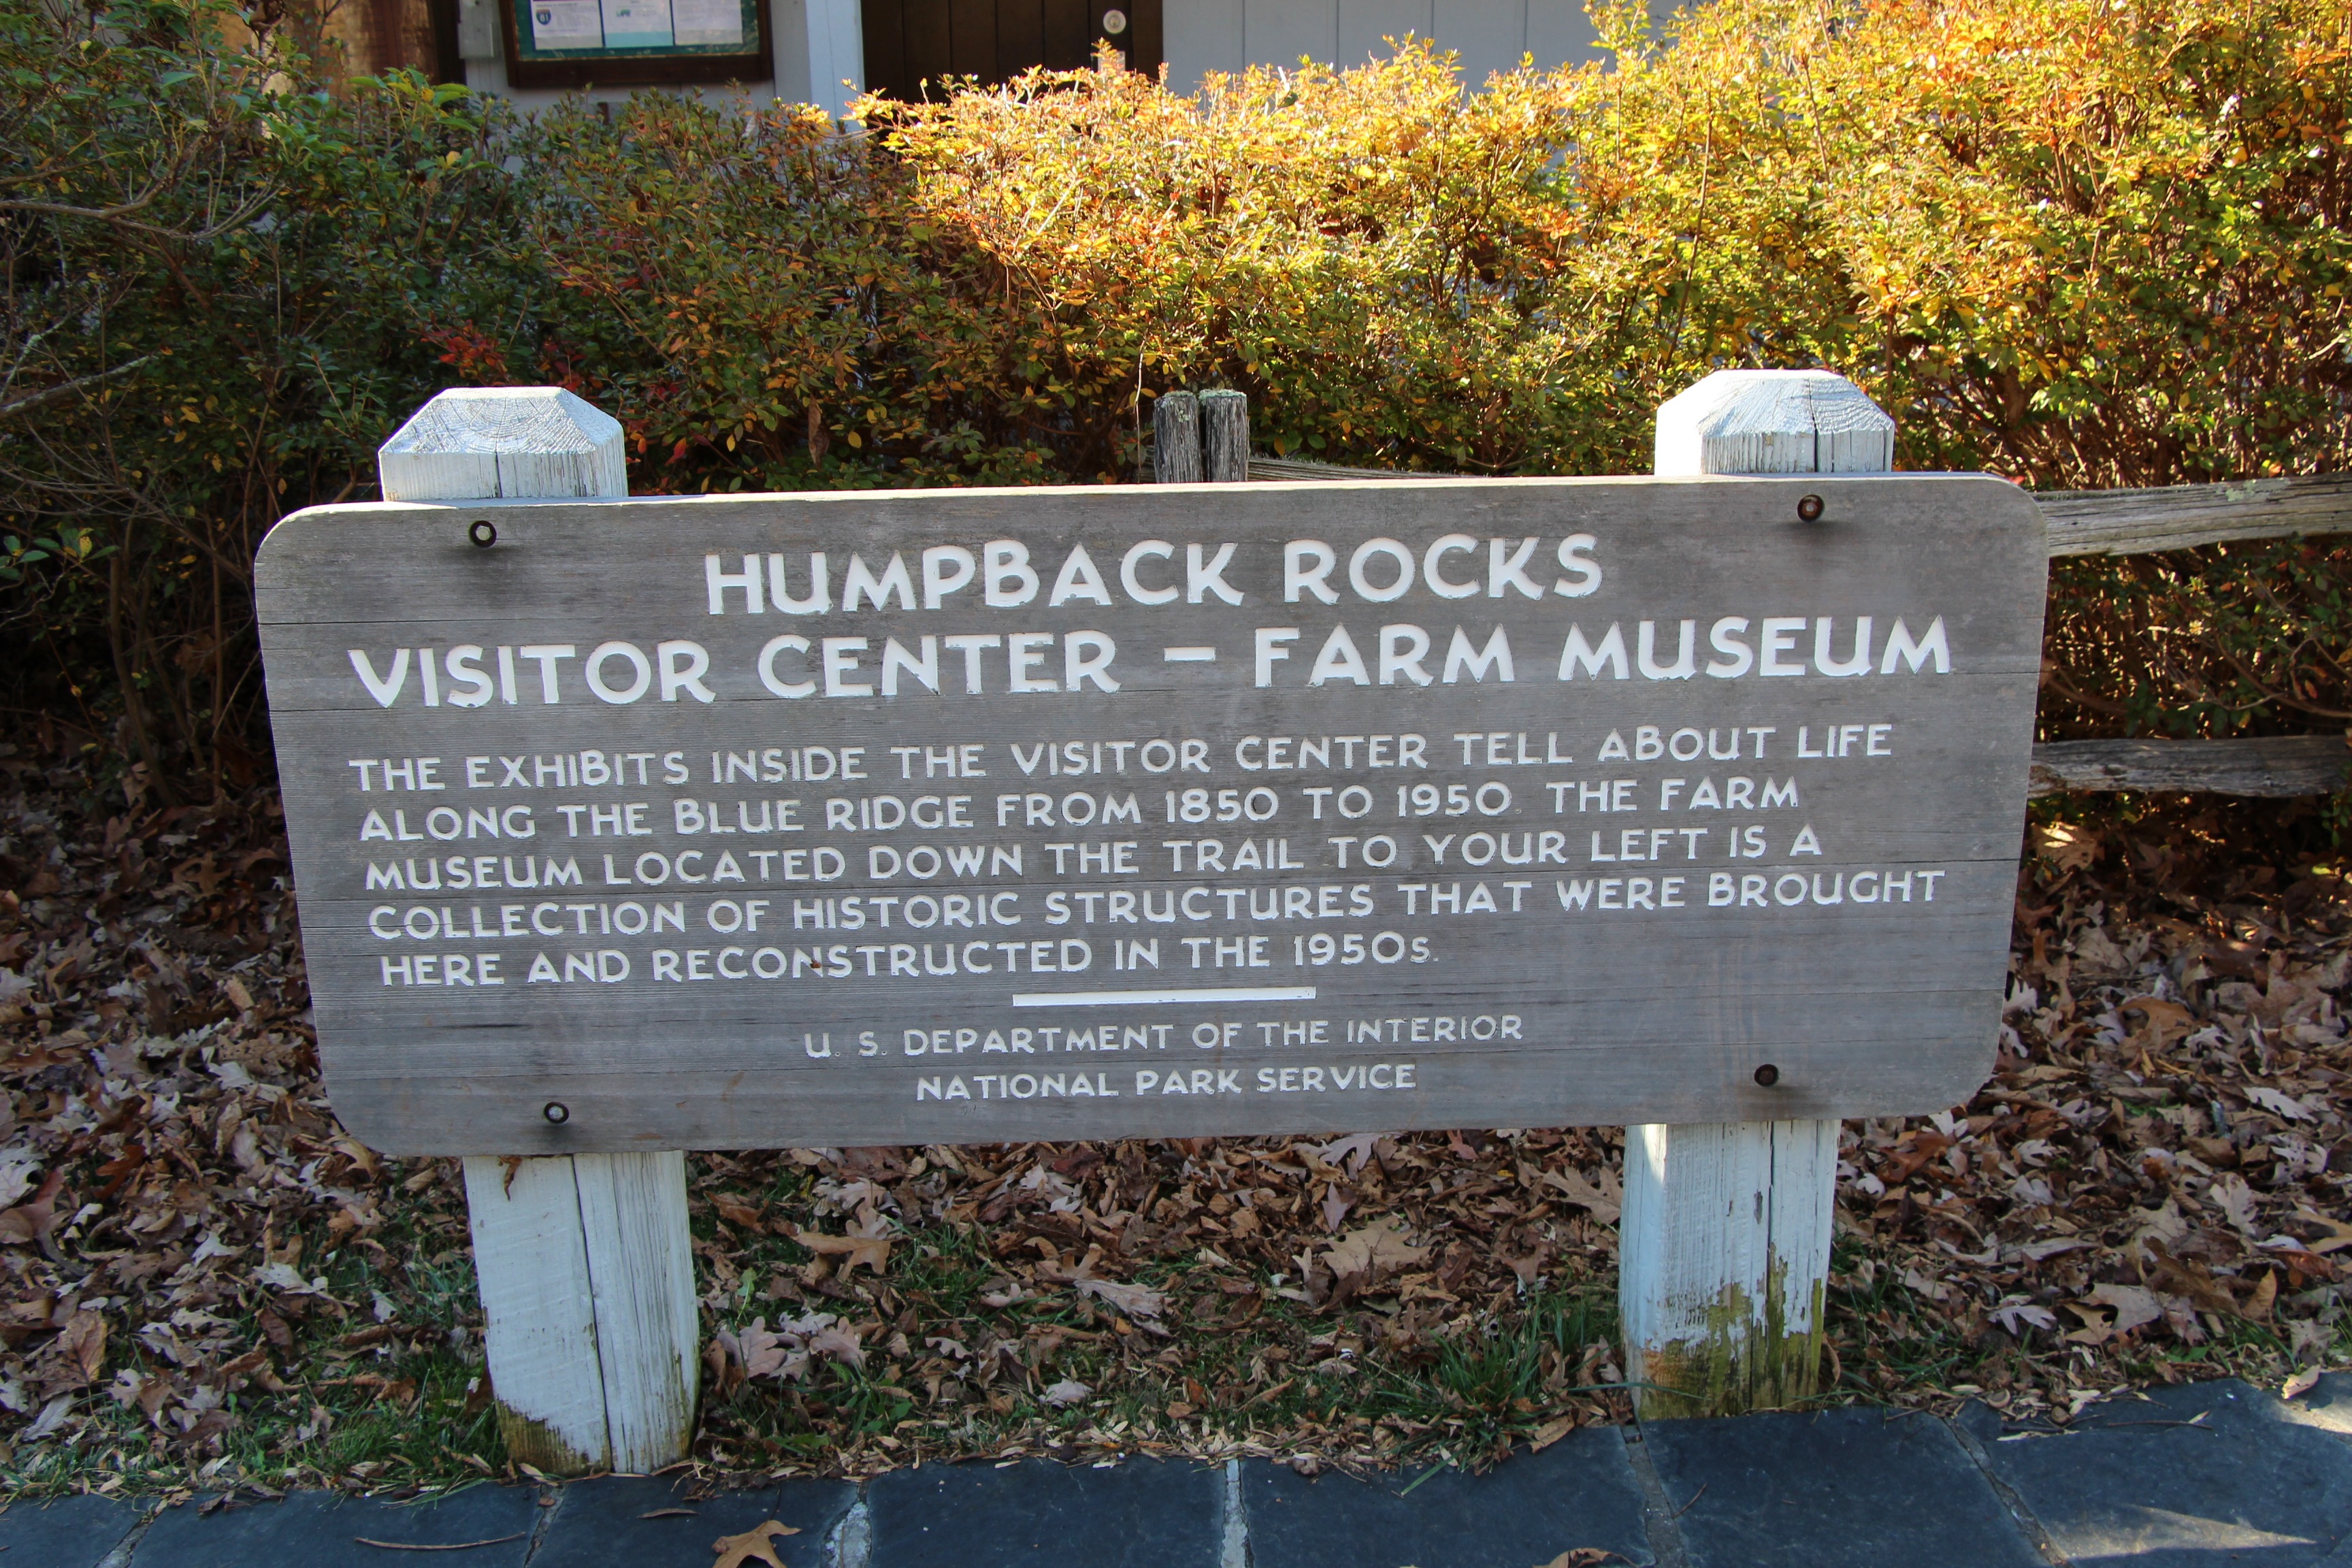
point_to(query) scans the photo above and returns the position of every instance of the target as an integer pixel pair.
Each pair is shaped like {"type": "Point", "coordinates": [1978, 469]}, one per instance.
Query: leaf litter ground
{"type": "Point", "coordinates": [209, 1285]}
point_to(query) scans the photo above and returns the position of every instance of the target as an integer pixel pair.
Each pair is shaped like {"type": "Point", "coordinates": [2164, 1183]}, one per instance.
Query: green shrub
{"type": "Point", "coordinates": [206, 325]}
{"type": "Point", "coordinates": [757, 300]}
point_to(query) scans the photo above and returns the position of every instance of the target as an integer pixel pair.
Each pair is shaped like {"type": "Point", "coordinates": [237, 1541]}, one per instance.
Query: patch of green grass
{"type": "Point", "coordinates": [411, 1410]}
{"type": "Point", "coordinates": [1332, 1379]}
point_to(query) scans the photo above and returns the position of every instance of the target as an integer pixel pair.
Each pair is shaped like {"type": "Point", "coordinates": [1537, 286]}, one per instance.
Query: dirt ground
{"type": "Point", "coordinates": [208, 1282]}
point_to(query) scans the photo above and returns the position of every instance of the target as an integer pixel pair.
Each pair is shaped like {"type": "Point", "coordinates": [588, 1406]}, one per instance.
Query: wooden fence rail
{"type": "Point", "coordinates": [2138, 523]}
{"type": "Point", "coordinates": [2278, 765]}
{"type": "Point", "coordinates": [2082, 523]}
{"type": "Point", "coordinates": [2133, 522]}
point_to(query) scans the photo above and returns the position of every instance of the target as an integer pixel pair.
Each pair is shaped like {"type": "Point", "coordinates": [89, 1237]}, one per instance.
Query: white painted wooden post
{"type": "Point", "coordinates": [585, 1264]}
{"type": "Point", "coordinates": [1724, 1246]}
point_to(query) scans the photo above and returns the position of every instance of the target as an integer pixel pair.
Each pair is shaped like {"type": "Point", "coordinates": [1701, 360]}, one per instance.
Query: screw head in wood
{"type": "Point", "coordinates": [1809, 509]}
{"type": "Point", "coordinates": [557, 1112]}
{"type": "Point", "coordinates": [1767, 1075]}
{"type": "Point", "coordinates": [483, 533]}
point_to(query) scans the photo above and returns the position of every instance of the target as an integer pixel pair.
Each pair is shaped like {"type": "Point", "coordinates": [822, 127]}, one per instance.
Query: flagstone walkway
{"type": "Point", "coordinates": [2190, 1477]}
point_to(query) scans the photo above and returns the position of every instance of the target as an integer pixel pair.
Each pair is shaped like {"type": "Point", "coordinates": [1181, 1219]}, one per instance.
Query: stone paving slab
{"type": "Point", "coordinates": [2189, 1476]}
{"type": "Point", "coordinates": [2327, 1407]}
{"type": "Point", "coordinates": [1140, 1514]}
{"type": "Point", "coordinates": [71, 1532]}
{"type": "Point", "coordinates": [1843, 1488]}
{"type": "Point", "coordinates": [1581, 1491]}
{"type": "Point", "coordinates": [653, 1522]}
{"type": "Point", "coordinates": [319, 1530]}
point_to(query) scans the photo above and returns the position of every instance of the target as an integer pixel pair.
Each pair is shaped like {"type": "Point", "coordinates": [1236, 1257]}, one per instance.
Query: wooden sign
{"type": "Point", "coordinates": [973, 815]}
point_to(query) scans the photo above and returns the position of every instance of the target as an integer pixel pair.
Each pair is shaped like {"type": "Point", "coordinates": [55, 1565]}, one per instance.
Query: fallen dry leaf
{"type": "Point", "coordinates": [1335, 1206]}
{"type": "Point", "coordinates": [1135, 1300]}
{"type": "Point", "coordinates": [2286, 1105]}
{"type": "Point", "coordinates": [841, 1344]}
{"type": "Point", "coordinates": [758, 1541]}
{"type": "Point", "coordinates": [34, 1220]}
{"type": "Point", "coordinates": [2066, 846]}
{"type": "Point", "coordinates": [1353, 1150]}
{"type": "Point", "coordinates": [736, 1212]}
{"type": "Point", "coordinates": [2134, 1305]}
{"type": "Point", "coordinates": [1605, 1203]}
{"type": "Point", "coordinates": [2301, 1383]}
{"type": "Point", "coordinates": [84, 1344]}
{"type": "Point", "coordinates": [763, 1352]}
{"type": "Point", "coordinates": [1380, 1245]}
{"type": "Point", "coordinates": [874, 1251]}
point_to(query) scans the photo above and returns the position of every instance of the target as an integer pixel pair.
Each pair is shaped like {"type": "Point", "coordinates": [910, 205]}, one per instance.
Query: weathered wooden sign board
{"type": "Point", "coordinates": [972, 815]}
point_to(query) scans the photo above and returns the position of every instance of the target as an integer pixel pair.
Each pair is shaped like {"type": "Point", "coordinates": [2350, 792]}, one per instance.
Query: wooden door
{"type": "Point", "coordinates": [911, 42]}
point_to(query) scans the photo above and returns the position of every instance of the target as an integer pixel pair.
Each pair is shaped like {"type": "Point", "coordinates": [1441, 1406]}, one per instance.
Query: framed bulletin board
{"type": "Point", "coordinates": [636, 43]}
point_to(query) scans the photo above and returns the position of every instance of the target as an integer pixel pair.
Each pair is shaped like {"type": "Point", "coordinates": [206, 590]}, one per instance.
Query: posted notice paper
{"type": "Point", "coordinates": [637, 25]}
{"type": "Point", "coordinates": [708, 21]}
{"type": "Point", "coordinates": [566, 25]}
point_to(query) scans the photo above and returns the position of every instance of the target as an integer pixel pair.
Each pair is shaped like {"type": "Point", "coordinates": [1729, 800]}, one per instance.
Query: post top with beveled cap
{"type": "Point", "coordinates": [1773, 422]}
{"type": "Point", "coordinates": [482, 443]}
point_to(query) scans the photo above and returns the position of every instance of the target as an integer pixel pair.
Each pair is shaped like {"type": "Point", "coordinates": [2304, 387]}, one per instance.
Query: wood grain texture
{"type": "Point", "coordinates": [1069, 34]}
{"type": "Point", "coordinates": [538, 1311]}
{"type": "Point", "coordinates": [1724, 1242]}
{"type": "Point", "coordinates": [1723, 1261]}
{"type": "Point", "coordinates": [1773, 422]}
{"type": "Point", "coordinates": [2276, 765]}
{"type": "Point", "coordinates": [508, 441]}
{"type": "Point", "coordinates": [1020, 36]}
{"type": "Point", "coordinates": [926, 43]}
{"type": "Point", "coordinates": [641, 1272]}
{"type": "Point", "coordinates": [2085, 522]}
{"type": "Point", "coordinates": [1224, 436]}
{"type": "Point", "coordinates": [2177, 517]}
{"type": "Point", "coordinates": [1293, 470]}
{"type": "Point", "coordinates": [882, 34]}
{"type": "Point", "coordinates": [971, 38]}
{"type": "Point", "coordinates": [1176, 455]}
{"type": "Point", "coordinates": [585, 1266]}
{"type": "Point", "coordinates": [1624, 1015]}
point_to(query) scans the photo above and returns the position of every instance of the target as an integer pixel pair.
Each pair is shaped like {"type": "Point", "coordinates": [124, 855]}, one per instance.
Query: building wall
{"type": "Point", "coordinates": [1489, 35]}
{"type": "Point", "coordinates": [818, 47]}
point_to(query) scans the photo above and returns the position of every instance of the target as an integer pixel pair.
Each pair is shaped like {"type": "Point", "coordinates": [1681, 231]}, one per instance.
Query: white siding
{"type": "Point", "coordinates": [836, 56]}
{"type": "Point", "coordinates": [819, 43]}
{"type": "Point", "coordinates": [1279, 34]}
{"type": "Point", "coordinates": [1559, 33]}
{"type": "Point", "coordinates": [1201, 36]}
{"type": "Point", "coordinates": [1489, 35]}
{"type": "Point", "coordinates": [1365, 26]}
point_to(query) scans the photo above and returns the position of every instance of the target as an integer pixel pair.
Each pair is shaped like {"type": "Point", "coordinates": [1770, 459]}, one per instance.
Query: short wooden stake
{"type": "Point", "coordinates": [585, 1261]}
{"type": "Point", "coordinates": [1724, 1246]}
{"type": "Point", "coordinates": [1224, 436]}
{"type": "Point", "coordinates": [1176, 439]}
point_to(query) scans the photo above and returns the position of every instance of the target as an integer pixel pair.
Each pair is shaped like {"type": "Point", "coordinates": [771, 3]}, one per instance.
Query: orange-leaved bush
{"type": "Point", "coordinates": [2085, 243]}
